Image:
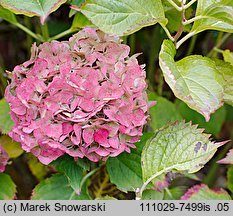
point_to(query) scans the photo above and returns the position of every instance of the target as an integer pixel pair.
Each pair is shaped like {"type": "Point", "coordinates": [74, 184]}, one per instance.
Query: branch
{"type": "Point", "coordinates": [186, 22]}
{"type": "Point", "coordinates": [167, 32]}
{"type": "Point", "coordinates": [175, 5]}
{"type": "Point", "coordinates": [182, 40]}
{"type": "Point", "coordinates": [28, 31]}
{"type": "Point", "coordinates": [189, 4]}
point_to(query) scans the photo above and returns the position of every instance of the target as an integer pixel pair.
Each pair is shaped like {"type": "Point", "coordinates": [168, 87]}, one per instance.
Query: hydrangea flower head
{"type": "Point", "coordinates": [3, 159]}
{"type": "Point", "coordinates": [84, 97]}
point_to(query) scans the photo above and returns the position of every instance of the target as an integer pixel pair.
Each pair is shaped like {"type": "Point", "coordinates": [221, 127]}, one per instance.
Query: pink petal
{"type": "Point", "coordinates": [101, 135]}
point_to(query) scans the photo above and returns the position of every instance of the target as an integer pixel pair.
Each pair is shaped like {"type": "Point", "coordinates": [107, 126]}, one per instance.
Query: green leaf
{"type": "Point", "coordinates": [226, 70]}
{"type": "Point", "coordinates": [228, 56]}
{"type": "Point", "coordinates": [179, 147]}
{"type": "Point", "coordinates": [6, 123]}
{"type": "Point", "coordinates": [84, 163]}
{"type": "Point", "coordinates": [228, 159]}
{"type": "Point", "coordinates": [163, 112]}
{"type": "Point", "coordinates": [72, 171]}
{"type": "Point", "coordinates": [230, 178]}
{"type": "Point", "coordinates": [215, 15]}
{"type": "Point", "coordinates": [152, 195]}
{"type": "Point", "coordinates": [128, 165]}
{"type": "Point", "coordinates": [38, 169]}
{"type": "Point", "coordinates": [123, 17]}
{"type": "Point", "coordinates": [215, 123]}
{"type": "Point", "coordinates": [12, 148]}
{"type": "Point", "coordinates": [203, 192]}
{"type": "Point", "coordinates": [171, 194]}
{"type": "Point", "coordinates": [7, 187]}
{"type": "Point", "coordinates": [174, 193]}
{"type": "Point", "coordinates": [196, 80]}
{"type": "Point", "coordinates": [57, 187]}
{"type": "Point", "coordinates": [106, 198]}
{"type": "Point", "coordinates": [30, 8]}
{"type": "Point", "coordinates": [7, 15]}
{"type": "Point", "coordinates": [80, 21]}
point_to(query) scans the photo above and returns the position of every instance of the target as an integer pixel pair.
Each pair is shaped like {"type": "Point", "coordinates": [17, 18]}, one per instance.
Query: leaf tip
{"type": "Point", "coordinates": [191, 191]}
{"type": "Point", "coordinates": [228, 159]}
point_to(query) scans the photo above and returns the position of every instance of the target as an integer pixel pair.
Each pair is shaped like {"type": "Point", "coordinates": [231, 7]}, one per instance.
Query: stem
{"type": "Point", "coordinates": [181, 28]}
{"type": "Point", "coordinates": [160, 85]}
{"type": "Point", "coordinates": [153, 56]}
{"type": "Point", "coordinates": [186, 37]}
{"type": "Point", "coordinates": [132, 43]}
{"type": "Point", "coordinates": [218, 50]}
{"type": "Point", "coordinates": [28, 31]}
{"type": "Point", "coordinates": [45, 31]}
{"type": "Point", "coordinates": [139, 194]}
{"type": "Point", "coordinates": [63, 34]}
{"type": "Point", "coordinates": [167, 32]}
{"type": "Point", "coordinates": [88, 176]}
{"type": "Point", "coordinates": [194, 19]}
{"type": "Point", "coordinates": [169, 193]}
{"type": "Point", "coordinates": [220, 41]}
{"type": "Point", "coordinates": [29, 39]}
{"type": "Point", "coordinates": [192, 45]}
{"type": "Point", "coordinates": [175, 5]}
{"type": "Point", "coordinates": [189, 4]}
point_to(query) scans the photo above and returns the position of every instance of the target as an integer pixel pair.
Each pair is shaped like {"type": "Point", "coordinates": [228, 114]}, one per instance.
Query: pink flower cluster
{"type": "Point", "coordinates": [3, 159]}
{"type": "Point", "coordinates": [83, 97]}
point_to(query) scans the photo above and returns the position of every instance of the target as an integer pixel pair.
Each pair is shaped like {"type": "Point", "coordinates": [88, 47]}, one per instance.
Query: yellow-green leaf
{"type": "Point", "coordinates": [179, 147]}
{"type": "Point", "coordinates": [7, 15]}
{"type": "Point", "coordinates": [214, 15]}
{"type": "Point", "coordinates": [202, 83]}
{"type": "Point", "coordinates": [12, 148]}
{"type": "Point", "coordinates": [38, 169]}
{"type": "Point", "coordinates": [123, 17]}
{"type": "Point", "coordinates": [41, 8]}
{"type": "Point", "coordinates": [6, 123]}
{"type": "Point", "coordinates": [7, 187]}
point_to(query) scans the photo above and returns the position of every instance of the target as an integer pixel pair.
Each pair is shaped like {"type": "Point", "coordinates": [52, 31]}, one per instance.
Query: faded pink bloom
{"type": "Point", "coordinates": [3, 159]}
{"type": "Point", "coordinates": [84, 97]}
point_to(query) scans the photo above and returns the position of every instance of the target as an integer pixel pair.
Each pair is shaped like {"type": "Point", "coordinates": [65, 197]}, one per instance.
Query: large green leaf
{"type": "Point", "coordinates": [41, 8]}
{"type": "Point", "coordinates": [71, 169]}
{"type": "Point", "coordinates": [215, 15]}
{"type": "Point", "coordinates": [213, 126]}
{"type": "Point", "coordinates": [7, 15]}
{"type": "Point", "coordinates": [123, 17]}
{"type": "Point", "coordinates": [7, 187]}
{"type": "Point", "coordinates": [6, 123]}
{"type": "Point", "coordinates": [198, 81]}
{"type": "Point", "coordinates": [179, 147]}
{"type": "Point", "coordinates": [57, 187]}
{"type": "Point", "coordinates": [203, 192]}
{"type": "Point", "coordinates": [12, 148]}
{"type": "Point", "coordinates": [125, 170]}
{"type": "Point", "coordinates": [163, 113]}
